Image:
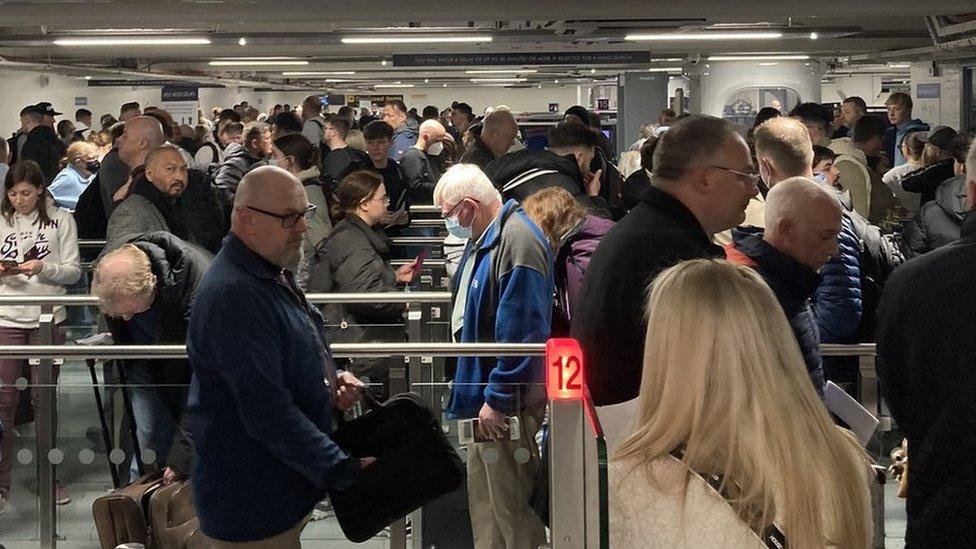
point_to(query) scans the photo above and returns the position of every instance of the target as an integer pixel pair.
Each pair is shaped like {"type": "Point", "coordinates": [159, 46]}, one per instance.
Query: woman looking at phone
{"type": "Point", "coordinates": [355, 259]}
{"type": "Point", "coordinates": [38, 256]}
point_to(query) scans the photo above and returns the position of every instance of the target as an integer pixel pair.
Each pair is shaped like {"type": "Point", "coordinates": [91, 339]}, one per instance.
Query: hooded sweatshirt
{"type": "Point", "coordinates": [56, 245]}
{"type": "Point", "coordinates": [404, 137]}
{"type": "Point", "coordinates": [519, 174]}
{"type": "Point", "coordinates": [939, 221]}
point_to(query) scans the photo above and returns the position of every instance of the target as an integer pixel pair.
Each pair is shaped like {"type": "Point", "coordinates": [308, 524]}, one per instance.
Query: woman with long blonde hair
{"type": "Point", "coordinates": [725, 398]}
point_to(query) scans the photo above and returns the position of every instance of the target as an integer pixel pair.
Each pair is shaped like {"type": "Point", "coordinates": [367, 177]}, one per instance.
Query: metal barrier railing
{"type": "Point", "coordinates": [317, 298]}
{"type": "Point", "coordinates": [396, 241]}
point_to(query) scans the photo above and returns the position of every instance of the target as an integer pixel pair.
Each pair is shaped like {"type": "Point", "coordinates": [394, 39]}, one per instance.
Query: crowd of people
{"type": "Point", "coordinates": [717, 268]}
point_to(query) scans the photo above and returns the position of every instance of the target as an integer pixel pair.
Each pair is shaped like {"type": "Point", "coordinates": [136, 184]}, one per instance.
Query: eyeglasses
{"type": "Point", "coordinates": [287, 220]}
{"type": "Point", "coordinates": [451, 211]}
{"type": "Point", "coordinates": [751, 178]}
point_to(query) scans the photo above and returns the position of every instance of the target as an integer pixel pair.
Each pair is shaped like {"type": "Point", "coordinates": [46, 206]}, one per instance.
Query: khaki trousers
{"type": "Point", "coordinates": [286, 540]}
{"type": "Point", "coordinates": [500, 477]}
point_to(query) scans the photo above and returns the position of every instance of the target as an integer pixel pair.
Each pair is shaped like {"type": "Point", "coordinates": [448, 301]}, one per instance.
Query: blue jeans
{"type": "Point", "coordinates": [154, 423]}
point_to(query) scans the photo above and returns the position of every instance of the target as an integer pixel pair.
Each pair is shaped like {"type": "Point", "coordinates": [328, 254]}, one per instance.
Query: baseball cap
{"type": "Point", "coordinates": [939, 136]}
{"type": "Point", "coordinates": [47, 109]}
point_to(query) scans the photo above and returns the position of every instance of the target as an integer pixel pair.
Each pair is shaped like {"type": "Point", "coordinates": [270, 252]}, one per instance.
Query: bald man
{"type": "Point", "coordinates": [141, 135]}
{"type": "Point", "coordinates": [803, 221]}
{"type": "Point", "coordinates": [497, 136]}
{"type": "Point", "coordinates": [265, 386]}
{"type": "Point", "coordinates": [153, 202]}
{"type": "Point", "coordinates": [421, 164]}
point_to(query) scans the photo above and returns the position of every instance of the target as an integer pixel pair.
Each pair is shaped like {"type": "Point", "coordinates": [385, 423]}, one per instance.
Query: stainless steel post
{"type": "Point", "coordinates": [45, 402]}
{"type": "Point", "coordinates": [567, 491]}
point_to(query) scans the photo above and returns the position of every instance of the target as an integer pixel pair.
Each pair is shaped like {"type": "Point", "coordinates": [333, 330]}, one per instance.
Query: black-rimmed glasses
{"type": "Point", "coordinates": [751, 178]}
{"type": "Point", "coordinates": [287, 220]}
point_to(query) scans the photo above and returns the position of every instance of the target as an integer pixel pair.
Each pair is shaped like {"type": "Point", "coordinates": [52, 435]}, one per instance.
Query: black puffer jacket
{"type": "Point", "coordinates": [939, 221]}
{"type": "Point", "coordinates": [793, 285]}
{"type": "Point", "coordinates": [354, 259]}
{"type": "Point", "coordinates": [519, 174]}
{"type": "Point", "coordinates": [179, 267]}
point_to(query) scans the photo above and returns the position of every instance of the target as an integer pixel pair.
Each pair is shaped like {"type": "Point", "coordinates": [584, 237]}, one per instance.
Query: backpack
{"type": "Point", "coordinates": [879, 256]}
{"type": "Point", "coordinates": [572, 262]}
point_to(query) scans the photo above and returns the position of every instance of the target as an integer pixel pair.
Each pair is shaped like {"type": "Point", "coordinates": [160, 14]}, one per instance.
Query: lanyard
{"type": "Point", "coordinates": [771, 536]}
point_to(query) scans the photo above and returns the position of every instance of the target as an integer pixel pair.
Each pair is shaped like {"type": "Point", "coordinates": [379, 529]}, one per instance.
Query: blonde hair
{"type": "Point", "coordinates": [79, 150]}
{"type": "Point", "coordinates": [786, 142]}
{"type": "Point", "coordinates": [555, 211]}
{"type": "Point", "coordinates": [724, 380]}
{"type": "Point", "coordinates": [132, 277]}
{"type": "Point", "coordinates": [356, 140]}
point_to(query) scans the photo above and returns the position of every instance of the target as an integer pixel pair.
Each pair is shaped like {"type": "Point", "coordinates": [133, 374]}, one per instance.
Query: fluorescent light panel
{"type": "Point", "coordinates": [255, 63]}
{"type": "Point", "coordinates": [758, 57]}
{"type": "Point", "coordinates": [664, 69]}
{"type": "Point", "coordinates": [717, 35]}
{"type": "Point", "coordinates": [131, 41]}
{"type": "Point", "coordinates": [413, 39]}
{"type": "Point", "coordinates": [498, 79]}
{"type": "Point", "coordinates": [318, 73]}
{"type": "Point", "coordinates": [502, 71]}
{"type": "Point", "coordinates": [393, 86]}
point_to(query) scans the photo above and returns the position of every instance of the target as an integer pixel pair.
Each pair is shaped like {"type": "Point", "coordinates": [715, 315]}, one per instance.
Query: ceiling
{"type": "Point", "coordinates": [310, 33]}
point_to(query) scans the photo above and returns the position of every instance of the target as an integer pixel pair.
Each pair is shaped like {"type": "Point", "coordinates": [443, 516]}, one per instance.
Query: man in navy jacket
{"type": "Point", "coordinates": [264, 386]}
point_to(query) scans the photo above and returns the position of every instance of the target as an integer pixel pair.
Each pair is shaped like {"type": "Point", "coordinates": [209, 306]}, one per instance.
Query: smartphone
{"type": "Point", "coordinates": [419, 262]}
{"type": "Point", "coordinates": [469, 433]}
{"type": "Point", "coordinates": [9, 263]}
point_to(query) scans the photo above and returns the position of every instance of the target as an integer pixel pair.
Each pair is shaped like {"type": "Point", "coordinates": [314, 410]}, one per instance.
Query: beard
{"type": "Point", "coordinates": [293, 256]}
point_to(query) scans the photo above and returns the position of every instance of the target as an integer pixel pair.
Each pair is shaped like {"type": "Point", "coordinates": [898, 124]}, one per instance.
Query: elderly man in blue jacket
{"type": "Point", "coordinates": [264, 386]}
{"type": "Point", "coordinates": [503, 293]}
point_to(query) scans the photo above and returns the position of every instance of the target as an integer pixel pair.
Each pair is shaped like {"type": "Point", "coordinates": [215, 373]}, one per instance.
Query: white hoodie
{"type": "Point", "coordinates": [57, 248]}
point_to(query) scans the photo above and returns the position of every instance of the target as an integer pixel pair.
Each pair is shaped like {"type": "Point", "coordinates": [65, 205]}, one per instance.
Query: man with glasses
{"type": "Point", "coordinates": [703, 179]}
{"type": "Point", "coordinates": [265, 388]}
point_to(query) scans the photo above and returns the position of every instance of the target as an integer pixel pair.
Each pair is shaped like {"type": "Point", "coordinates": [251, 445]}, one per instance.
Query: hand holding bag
{"type": "Point", "coordinates": [415, 464]}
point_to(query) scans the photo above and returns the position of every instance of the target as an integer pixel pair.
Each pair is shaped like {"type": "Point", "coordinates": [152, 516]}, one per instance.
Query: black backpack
{"type": "Point", "coordinates": [879, 257]}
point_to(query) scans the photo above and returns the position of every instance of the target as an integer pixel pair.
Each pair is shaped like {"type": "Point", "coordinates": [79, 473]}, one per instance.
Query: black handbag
{"type": "Point", "coordinates": [415, 464]}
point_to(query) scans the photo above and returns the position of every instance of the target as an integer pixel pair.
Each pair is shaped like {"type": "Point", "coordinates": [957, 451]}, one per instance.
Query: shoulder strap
{"type": "Point", "coordinates": [525, 177]}
{"type": "Point", "coordinates": [772, 537]}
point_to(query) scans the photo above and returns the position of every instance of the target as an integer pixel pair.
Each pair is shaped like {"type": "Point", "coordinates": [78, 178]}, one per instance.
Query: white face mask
{"type": "Point", "coordinates": [435, 149]}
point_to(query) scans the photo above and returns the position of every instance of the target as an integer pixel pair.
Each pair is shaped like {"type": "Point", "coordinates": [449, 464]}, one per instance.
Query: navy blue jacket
{"type": "Point", "coordinates": [260, 404]}
{"type": "Point", "coordinates": [837, 301]}
{"type": "Point", "coordinates": [509, 300]}
{"type": "Point", "coordinates": [793, 285]}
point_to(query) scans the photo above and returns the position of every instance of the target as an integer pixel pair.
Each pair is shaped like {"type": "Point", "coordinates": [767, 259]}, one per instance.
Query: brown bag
{"type": "Point", "coordinates": [173, 518]}
{"type": "Point", "coordinates": [120, 517]}
{"type": "Point", "coordinates": [899, 467]}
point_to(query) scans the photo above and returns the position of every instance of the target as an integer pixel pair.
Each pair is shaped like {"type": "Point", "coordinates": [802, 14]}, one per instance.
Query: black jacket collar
{"type": "Point", "coordinates": [969, 225]}
{"type": "Point", "coordinates": [663, 203]}
{"type": "Point", "coordinates": [167, 206]}
{"type": "Point", "coordinates": [778, 268]}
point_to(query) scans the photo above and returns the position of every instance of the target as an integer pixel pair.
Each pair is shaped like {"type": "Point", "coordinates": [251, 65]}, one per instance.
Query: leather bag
{"type": "Point", "coordinates": [120, 517]}
{"type": "Point", "coordinates": [415, 464]}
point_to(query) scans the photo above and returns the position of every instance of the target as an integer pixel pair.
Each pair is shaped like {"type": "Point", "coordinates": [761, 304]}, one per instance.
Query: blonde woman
{"type": "Point", "coordinates": [724, 392]}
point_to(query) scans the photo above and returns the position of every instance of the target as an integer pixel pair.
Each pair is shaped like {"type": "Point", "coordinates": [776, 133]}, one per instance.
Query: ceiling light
{"type": "Point", "coordinates": [378, 86]}
{"type": "Point", "coordinates": [768, 64]}
{"type": "Point", "coordinates": [502, 71]}
{"type": "Point", "coordinates": [131, 41]}
{"type": "Point", "coordinates": [255, 63]}
{"type": "Point", "coordinates": [555, 81]}
{"type": "Point", "coordinates": [899, 65]}
{"type": "Point", "coordinates": [318, 73]}
{"type": "Point", "coordinates": [443, 85]}
{"type": "Point", "coordinates": [592, 71]}
{"type": "Point", "coordinates": [670, 60]}
{"type": "Point", "coordinates": [242, 41]}
{"type": "Point", "coordinates": [717, 35]}
{"type": "Point", "coordinates": [406, 39]}
{"type": "Point", "coordinates": [426, 80]}
{"type": "Point", "coordinates": [664, 69]}
{"type": "Point", "coordinates": [814, 36]}
{"type": "Point", "coordinates": [88, 78]}
{"type": "Point", "coordinates": [383, 62]}
{"type": "Point", "coordinates": [758, 57]}
{"type": "Point", "coordinates": [498, 79]}
{"type": "Point", "coordinates": [540, 86]}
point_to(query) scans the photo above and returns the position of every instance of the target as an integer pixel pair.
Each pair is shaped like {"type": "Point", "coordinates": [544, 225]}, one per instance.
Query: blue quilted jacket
{"type": "Point", "coordinates": [837, 300]}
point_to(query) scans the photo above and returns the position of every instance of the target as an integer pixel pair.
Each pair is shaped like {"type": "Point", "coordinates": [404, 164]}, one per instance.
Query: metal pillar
{"type": "Point", "coordinates": [567, 491]}
{"type": "Point", "coordinates": [45, 402]}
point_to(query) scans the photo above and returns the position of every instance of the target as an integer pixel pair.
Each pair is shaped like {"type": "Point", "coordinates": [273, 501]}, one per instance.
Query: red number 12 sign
{"type": "Point", "coordinates": [564, 369]}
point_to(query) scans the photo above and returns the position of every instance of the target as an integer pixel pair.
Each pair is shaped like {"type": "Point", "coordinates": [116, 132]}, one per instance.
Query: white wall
{"type": "Point", "coordinates": [518, 99]}
{"type": "Point", "coordinates": [945, 110]}
{"type": "Point", "coordinates": [713, 82]}
{"type": "Point", "coordinates": [865, 86]}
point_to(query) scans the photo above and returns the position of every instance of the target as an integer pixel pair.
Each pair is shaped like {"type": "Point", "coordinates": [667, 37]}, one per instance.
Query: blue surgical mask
{"type": "Point", "coordinates": [821, 177]}
{"type": "Point", "coordinates": [455, 229]}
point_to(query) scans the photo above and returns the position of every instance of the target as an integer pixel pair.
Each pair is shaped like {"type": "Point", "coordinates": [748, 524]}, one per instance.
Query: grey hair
{"type": "Point", "coordinates": [135, 280]}
{"type": "Point", "coordinates": [465, 181]}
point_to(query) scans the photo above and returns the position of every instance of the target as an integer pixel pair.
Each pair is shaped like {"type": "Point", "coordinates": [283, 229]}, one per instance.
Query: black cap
{"type": "Point", "coordinates": [32, 109]}
{"type": "Point", "coordinates": [939, 136]}
{"type": "Point", "coordinates": [47, 109]}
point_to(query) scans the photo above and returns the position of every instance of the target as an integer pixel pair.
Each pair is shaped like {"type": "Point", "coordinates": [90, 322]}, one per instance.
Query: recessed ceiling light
{"type": "Point", "coordinates": [502, 71]}
{"type": "Point", "coordinates": [426, 80]}
{"type": "Point", "coordinates": [498, 79]}
{"type": "Point", "coordinates": [664, 69]}
{"type": "Point", "coordinates": [555, 81]}
{"type": "Point", "coordinates": [378, 86]}
{"type": "Point", "coordinates": [814, 36]}
{"type": "Point", "coordinates": [899, 65]}
{"type": "Point", "coordinates": [406, 39]}
{"type": "Point", "coordinates": [88, 78]}
{"type": "Point", "coordinates": [592, 71]}
{"type": "Point", "coordinates": [443, 85]}
{"type": "Point", "coordinates": [242, 41]}
{"type": "Point", "coordinates": [318, 73]}
{"type": "Point", "coordinates": [255, 63]}
{"type": "Point", "coordinates": [383, 62]}
{"type": "Point", "coordinates": [131, 41]}
{"type": "Point", "coordinates": [768, 64]}
{"type": "Point", "coordinates": [758, 57]}
{"type": "Point", "coordinates": [716, 35]}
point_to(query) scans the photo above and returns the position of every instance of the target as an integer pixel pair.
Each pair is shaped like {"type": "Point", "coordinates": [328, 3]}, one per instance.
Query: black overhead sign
{"type": "Point", "coordinates": [180, 93]}
{"type": "Point", "coordinates": [151, 82]}
{"type": "Point", "coordinates": [537, 58]}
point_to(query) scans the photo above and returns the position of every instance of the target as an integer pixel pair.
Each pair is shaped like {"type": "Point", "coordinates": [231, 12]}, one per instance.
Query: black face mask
{"type": "Point", "coordinates": [92, 166]}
